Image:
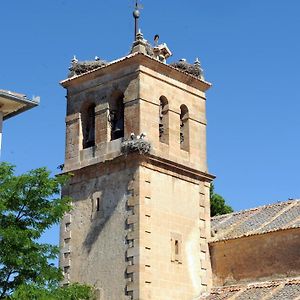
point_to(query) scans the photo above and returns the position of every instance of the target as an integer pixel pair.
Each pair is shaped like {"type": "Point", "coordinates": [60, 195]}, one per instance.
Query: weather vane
{"type": "Point", "coordinates": [136, 15]}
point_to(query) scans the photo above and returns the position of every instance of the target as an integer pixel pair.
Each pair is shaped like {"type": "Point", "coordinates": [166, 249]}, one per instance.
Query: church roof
{"type": "Point", "coordinates": [259, 220]}
{"type": "Point", "coordinates": [271, 290]}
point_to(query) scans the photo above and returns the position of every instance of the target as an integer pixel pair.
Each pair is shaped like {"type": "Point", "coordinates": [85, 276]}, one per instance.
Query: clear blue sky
{"type": "Point", "coordinates": [250, 51]}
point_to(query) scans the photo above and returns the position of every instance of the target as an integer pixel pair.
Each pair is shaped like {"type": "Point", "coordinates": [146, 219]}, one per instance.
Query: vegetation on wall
{"type": "Point", "coordinates": [218, 205]}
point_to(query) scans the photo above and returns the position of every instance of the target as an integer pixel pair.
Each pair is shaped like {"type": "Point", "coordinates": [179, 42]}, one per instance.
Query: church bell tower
{"type": "Point", "coordinates": [136, 148]}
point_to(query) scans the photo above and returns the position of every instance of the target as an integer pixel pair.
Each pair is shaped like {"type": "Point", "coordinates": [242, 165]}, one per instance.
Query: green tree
{"type": "Point", "coordinates": [71, 292]}
{"type": "Point", "coordinates": [29, 204]}
{"type": "Point", "coordinates": [218, 205]}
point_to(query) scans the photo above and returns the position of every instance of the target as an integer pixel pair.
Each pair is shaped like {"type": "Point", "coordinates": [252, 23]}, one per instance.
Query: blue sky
{"type": "Point", "coordinates": [250, 53]}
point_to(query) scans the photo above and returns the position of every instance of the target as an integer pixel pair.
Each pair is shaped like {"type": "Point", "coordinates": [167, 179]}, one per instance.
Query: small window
{"type": "Point", "coordinates": [67, 241]}
{"type": "Point", "coordinates": [163, 120]}
{"type": "Point", "coordinates": [184, 128]}
{"type": "Point", "coordinates": [98, 204]}
{"type": "Point", "coordinates": [176, 248]}
{"type": "Point", "coordinates": [67, 226]}
{"type": "Point", "coordinates": [88, 126]}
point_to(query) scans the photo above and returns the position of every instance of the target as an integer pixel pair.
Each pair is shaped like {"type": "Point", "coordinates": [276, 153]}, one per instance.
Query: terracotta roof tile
{"type": "Point", "coordinates": [278, 216]}
{"type": "Point", "coordinates": [284, 219]}
{"type": "Point", "coordinates": [255, 293]}
{"type": "Point", "coordinates": [286, 289]}
{"type": "Point", "coordinates": [289, 291]}
{"type": "Point", "coordinates": [221, 296]}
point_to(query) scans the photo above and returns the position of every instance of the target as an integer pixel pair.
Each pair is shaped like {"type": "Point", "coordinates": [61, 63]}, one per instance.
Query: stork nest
{"type": "Point", "coordinates": [81, 67]}
{"type": "Point", "coordinates": [135, 145]}
{"type": "Point", "coordinates": [188, 68]}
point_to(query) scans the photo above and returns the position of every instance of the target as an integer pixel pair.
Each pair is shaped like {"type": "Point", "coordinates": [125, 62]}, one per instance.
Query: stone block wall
{"type": "Point", "coordinates": [259, 257]}
{"type": "Point", "coordinates": [142, 89]}
{"type": "Point", "coordinates": [137, 231]}
{"type": "Point", "coordinates": [173, 230]}
{"type": "Point", "coordinates": [177, 94]}
{"type": "Point", "coordinates": [94, 235]}
{"type": "Point", "coordinates": [168, 232]}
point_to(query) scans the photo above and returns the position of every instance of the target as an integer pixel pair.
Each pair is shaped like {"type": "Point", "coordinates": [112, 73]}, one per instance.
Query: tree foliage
{"type": "Point", "coordinates": [29, 204]}
{"type": "Point", "coordinates": [71, 292]}
{"type": "Point", "coordinates": [218, 205]}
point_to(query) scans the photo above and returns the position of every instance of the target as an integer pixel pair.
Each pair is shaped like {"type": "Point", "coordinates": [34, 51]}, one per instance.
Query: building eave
{"type": "Point", "coordinates": [248, 235]}
{"type": "Point", "coordinates": [13, 104]}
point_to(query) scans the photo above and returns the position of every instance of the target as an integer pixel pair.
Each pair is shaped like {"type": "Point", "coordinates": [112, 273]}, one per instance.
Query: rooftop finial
{"type": "Point", "coordinates": [74, 59]}
{"type": "Point", "coordinates": [197, 64]}
{"type": "Point", "coordinates": [136, 15]}
{"type": "Point", "coordinates": [139, 36]}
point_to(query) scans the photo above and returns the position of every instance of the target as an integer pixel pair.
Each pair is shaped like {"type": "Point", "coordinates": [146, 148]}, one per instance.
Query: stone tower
{"type": "Point", "coordinates": [136, 146]}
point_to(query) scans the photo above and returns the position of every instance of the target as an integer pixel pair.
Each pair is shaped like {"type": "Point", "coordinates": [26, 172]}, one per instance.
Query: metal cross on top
{"type": "Point", "coordinates": [136, 15]}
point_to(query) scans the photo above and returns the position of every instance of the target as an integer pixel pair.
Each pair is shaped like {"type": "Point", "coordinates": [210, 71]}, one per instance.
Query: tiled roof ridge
{"type": "Point", "coordinates": [254, 209]}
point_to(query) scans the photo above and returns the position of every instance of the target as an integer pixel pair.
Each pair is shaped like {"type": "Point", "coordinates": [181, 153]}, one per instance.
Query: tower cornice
{"type": "Point", "coordinates": [151, 161]}
{"type": "Point", "coordinates": [140, 59]}
{"type": "Point", "coordinates": [179, 168]}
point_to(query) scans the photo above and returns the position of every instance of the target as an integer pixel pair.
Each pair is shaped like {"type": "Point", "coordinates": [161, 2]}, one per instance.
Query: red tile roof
{"type": "Point", "coordinates": [287, 289]}
{"type": "Point", "coordinates": [264, 219]}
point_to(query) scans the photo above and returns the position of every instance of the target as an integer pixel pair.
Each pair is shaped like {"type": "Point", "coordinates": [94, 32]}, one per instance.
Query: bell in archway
{"type": "Point", "coordinates": [118, 131]}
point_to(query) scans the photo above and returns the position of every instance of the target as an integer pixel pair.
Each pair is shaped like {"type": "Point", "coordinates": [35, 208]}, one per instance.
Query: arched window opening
{"type": "Point", "coordinates": [116, 117]}
{"type": "Point", "coordinates": [184, 128]}
{"type": "Point", "coordinates": [163, 120]}
{"type": "Point", "coordinates": [88, 126]}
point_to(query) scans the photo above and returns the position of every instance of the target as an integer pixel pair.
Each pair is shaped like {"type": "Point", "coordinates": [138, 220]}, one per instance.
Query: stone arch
{"type": "Point", "coordinates": [88, 125]}
{"type": "Point", "coordinates": [184, 128]}
{"type": "Point", "coordinates": [116, 115]}
{"type": "Point", "coordinates": [163, 120]}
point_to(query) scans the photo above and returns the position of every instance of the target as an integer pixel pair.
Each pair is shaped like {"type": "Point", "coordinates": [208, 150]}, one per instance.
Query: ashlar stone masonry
{"type": "Point", "coordinates": [140, 221]}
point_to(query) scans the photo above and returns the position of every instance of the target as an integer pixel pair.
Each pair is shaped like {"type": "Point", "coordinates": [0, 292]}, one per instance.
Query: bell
{"type": "Point", "coordinates": [117, 129]}
{"type": "Point", "coordinates": [119, 126]}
